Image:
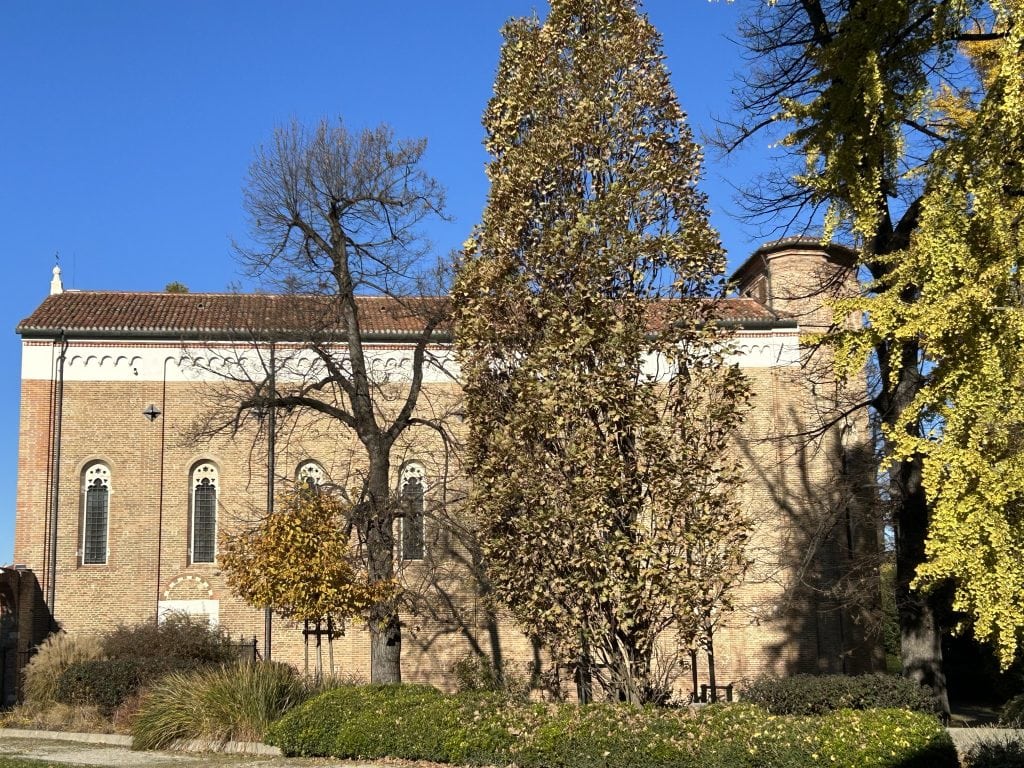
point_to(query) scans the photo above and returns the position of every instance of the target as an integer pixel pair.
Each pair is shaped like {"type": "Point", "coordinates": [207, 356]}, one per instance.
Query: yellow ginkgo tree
{"type": "Point", "coordinates": [963, 265]}
{"type": "Point", "coordinates": [882, 132]}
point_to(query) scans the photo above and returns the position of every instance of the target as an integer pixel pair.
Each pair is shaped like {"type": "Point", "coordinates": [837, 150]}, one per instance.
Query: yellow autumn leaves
{"type": "Point", "coordinates": [300, 561]}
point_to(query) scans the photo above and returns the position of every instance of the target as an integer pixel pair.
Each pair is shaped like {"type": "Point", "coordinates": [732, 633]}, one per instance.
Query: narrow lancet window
{"type": "Point", "coordinates": [204, 513]}
{"type": "Point", "coordinates": [412, 492]}
{"type": "Point", "coordinates": [96, 484]}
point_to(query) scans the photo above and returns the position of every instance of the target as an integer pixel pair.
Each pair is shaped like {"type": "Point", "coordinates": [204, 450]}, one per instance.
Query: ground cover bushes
{"type": "Point", "coordinates": [104, 683]}
{"type": "Point", "coordinates": [479, 674]}
{"type": "Point", "coordinates": [415, 722]}
{"type": "Point", "coordinates": [93, 682]}
{"type": "Point", "coordinates": [1012, 715]}
{"type": "Point", "coordinates": [134, 656]}
{"type": "Point", "coordinates": [818, 694]}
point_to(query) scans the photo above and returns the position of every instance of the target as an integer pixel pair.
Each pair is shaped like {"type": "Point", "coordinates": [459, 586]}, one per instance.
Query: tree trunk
{"type": "Point", "coordinates": [584, 679]}
{"type": "Point", "coordinates": [919, 614]}
{"type": "Point", "coordinates": [319, 655]}
{"type": "Point", "coordinates": [385, 646]}
{"type": "Point", "coordinates": [693, 674]}
{"type": "Point", "coordinates": [711, 669]}
{"type": "Point", "coordinates": [330, 644]}
{"type": "Point", "coordinates": [384, 625]}
{"type": "Point", "coordinates": [305, 645]}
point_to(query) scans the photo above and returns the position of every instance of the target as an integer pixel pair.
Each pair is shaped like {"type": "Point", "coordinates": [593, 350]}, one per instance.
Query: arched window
{"type": "Point", "coordinates": [204, 513]}
{"type": "Point", "coordinates": [310, 475]}
{"type": "Point", "coordinates": [411, 490]}
{"type": "Point", "coordinates": [95, 514]}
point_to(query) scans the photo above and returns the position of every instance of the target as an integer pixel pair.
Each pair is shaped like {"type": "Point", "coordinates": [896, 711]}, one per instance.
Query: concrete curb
{"type": "Point", "coordinates": [114, 739]}
{"type": "Point", "coordinates": [965, 738]}
{"type": "Point", "coordinates": [120, 740]}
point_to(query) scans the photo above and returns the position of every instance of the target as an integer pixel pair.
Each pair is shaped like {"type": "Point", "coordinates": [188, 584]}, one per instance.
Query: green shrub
{"type": "Point", "coordinates": [815, 695]}
{"type": "Point", "coordinates": [884, 737]}
{"type": "Point", "coordinates": [178, 642]}
{"type": "Point", "coordinates": [54, 655]}
{"type": "Point", "coordinates": [610, 735]}
{"type": "Point", "coordinates": [993, 753]}
{"type": "Point", "coordinates": [370, 721]}
{"type": "Point", "coordinates": [1012, 715]}
{"type": "Point", "coordinates": [235, 702]}
{"type": "Point", "coordinates": [103, 682]}
{"type": "Point", "coordinates": [413, 722]}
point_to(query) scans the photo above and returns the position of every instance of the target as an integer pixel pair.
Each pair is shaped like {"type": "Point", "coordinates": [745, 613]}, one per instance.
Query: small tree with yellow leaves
{"type": "Point", "coordinates": [301, 563]}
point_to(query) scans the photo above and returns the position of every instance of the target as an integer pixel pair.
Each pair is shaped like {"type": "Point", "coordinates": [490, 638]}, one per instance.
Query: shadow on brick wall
{"type": "Point", "coordinates": [820, 567]}
{"type": "Point", "coordinates": [25, 621]}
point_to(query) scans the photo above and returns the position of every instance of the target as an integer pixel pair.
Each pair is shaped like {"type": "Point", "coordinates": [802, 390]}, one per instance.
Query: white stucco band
{"type": "Point", "coordinates": [136, 361]}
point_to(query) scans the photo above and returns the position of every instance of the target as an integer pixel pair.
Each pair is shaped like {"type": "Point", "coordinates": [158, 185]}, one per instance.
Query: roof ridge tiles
{"type": "Point", "coordinates": [155, 314]}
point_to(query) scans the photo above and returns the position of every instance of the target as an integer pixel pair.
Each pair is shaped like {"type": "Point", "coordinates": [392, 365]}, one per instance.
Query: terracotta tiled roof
{"type": "Point", "coordinates": [747, 310]}
{"type": "Point", "coordinates": [797, 242]}
{"type": "Point", "coordinates": [755, 263]}
{"type": "Point", "coordinates": [230, 315]}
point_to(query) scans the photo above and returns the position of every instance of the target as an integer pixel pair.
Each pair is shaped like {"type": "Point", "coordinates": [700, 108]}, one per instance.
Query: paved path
{"type": "Point", "coordinates": [112, 751]}
{"type": "Point", "coordinates": [965, 738]}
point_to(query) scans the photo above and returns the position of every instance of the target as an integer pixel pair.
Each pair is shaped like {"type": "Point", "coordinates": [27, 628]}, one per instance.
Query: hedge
{"type": "Point", "coordinates": [818, 694]}
{"type": "Point", "coordinates": [419, 723]}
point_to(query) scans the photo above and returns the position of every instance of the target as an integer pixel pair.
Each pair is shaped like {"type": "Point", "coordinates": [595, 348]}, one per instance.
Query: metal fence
{"type": "Point", "coordinates": [246, 649]}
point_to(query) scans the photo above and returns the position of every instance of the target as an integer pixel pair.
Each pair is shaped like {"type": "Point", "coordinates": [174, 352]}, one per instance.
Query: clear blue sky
{"type": "Point", "coordinates": [126, 128]}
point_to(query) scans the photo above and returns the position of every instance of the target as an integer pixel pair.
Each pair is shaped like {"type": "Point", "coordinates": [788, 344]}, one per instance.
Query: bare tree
{"type": "Point", "coordinates": [335, 219]}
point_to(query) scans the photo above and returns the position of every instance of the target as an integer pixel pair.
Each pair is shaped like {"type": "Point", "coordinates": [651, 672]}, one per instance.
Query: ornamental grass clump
{"type": "Point", "coordinates": [230, 703]}
{"type": "Point", "coordinates": [53, 657]}
{"type": "Point", "coordinates": [996, 753]}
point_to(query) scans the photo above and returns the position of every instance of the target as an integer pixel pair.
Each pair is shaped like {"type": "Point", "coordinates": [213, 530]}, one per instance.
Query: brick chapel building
{"type": "Point", "coordinates": [122, 493]}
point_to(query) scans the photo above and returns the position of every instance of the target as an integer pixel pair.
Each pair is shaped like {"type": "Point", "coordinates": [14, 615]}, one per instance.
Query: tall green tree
{"type": "Point", "coordinates": [599, 404]}
{"type": "Point", "coordinates": [849, 87]}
